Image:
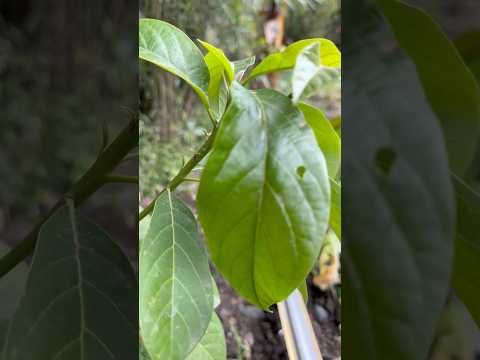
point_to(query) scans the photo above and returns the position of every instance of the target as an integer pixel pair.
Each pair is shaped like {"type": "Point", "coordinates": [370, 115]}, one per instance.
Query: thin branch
{"type": "Point", "coordinates": [88, 184]}
{"type": "Point", "coordinates": [108, 179]}
{"type": "Point", "coordinates": [184, 171]}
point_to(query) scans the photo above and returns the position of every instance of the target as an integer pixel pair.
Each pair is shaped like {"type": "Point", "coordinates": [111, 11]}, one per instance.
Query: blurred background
{"type": "Point", "coordinates": [66, 69]}
{"type": "Point", "coordinates": [173, 124]}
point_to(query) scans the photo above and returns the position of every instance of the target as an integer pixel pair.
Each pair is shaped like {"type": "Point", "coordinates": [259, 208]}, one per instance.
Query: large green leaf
{"type": "Point", "coordinates": [212, 346]}
{"type": "Point", "coordinates": [264, 197]}
{"type": "Point", "coordinates": [326, 136]}
{"type": "Point", "coordinates": [80, 300]}
{"type": "Point", "coordinates": [176, 297]}
{"type": "Point", "coordinates": [330, 57]}
{"type": "Point", "coordinates": [466, 271]}
{"type": "Point", "coordinates": [449, 85]}
{"type": "Point", "coordinates": [398, 207]}
{"type": "Point", "coordinates": [169, 48]}
{"type": "Point", "coordinates": [309, 74]}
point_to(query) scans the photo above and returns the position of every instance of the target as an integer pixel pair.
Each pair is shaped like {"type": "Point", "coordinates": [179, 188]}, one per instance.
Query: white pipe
{"type": "Point", "coordinates": [298, 330]}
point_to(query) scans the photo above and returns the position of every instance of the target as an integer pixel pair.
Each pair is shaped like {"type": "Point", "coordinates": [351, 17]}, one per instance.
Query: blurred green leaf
{"type": "Point", "coordinates": [12, 286]}
{"type": "Point", "coordinates": [466, 271]}
{"type": "Point", "coordinates": [89, 310]}
{"type": "Point", "coordinates": [449, 85]}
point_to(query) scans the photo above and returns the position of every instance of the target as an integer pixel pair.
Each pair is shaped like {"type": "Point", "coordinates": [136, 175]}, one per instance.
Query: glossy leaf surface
{"type": "Point", "coordinates": [264, 197]}
{"type": "Point", "coordinates": [329, 57]}
{"type": "Point", "coordinates": [327, 137]}
{"type": "Point", "coordinates": [176, 300]}
{"type": "Point", "coordinates": [466, 271]}
{"type": "Point", "coordinates": [449, 85]}
{"type": "Point", "coordinates": [80, 301]}
{"type": "Point", "coordinates": [169, 48]}
{"type": "Point", "coordinates": [212, 346]}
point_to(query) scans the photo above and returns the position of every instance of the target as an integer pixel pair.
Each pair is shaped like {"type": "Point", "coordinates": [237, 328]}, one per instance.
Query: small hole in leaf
{"type": "Point", "coordinates": [384, 159]}
{"type": "Point", "coordinates": [301, 171]}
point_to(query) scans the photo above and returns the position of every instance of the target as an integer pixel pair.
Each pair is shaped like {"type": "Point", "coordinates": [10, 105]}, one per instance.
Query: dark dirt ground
{"type": "Point", "coordinates": [254, 334]}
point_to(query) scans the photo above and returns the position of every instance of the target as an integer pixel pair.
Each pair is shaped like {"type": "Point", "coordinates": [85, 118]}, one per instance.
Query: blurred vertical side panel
{"type": "Point", "coordinates": [410, 169]}
{"type": "Point", "coordinates": [68, 179]}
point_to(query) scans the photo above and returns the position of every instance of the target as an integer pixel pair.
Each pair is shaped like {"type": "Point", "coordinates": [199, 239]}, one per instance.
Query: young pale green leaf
{"type": "Point", "coordinates": [176, 300]}
{"type": "Point", "coordinates": [439, 65]}
{"type": "Point", "coordinates": [241, 66]}
{"type": "Point", "coordinates": [466, 274]}
{"type": "Point", "coordinates": [212, 346]}
{"type": "Point", "coordinates": [218, 87]}
{"type": "Point", "coordinates": [335, 221]}
{"type": "Point", "coordinates": [222, 59]}
{"type": "Point", "coordinates": [326, 136]}
{"type": "Point", "coordinates": [329, 57]}
{"type": "Point", "coordinates": [264, 197]}
{"type": "Point", "coordinates": [309, 74]}
{"type": "Point", "coordinates": [169, 48]}
{"type": "Point", "coordinates": [80, 300]}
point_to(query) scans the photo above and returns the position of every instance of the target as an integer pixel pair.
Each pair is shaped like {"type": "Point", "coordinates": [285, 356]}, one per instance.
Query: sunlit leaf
{"type": "Point", "coordinates": [309, 75]}
{"type": "Point", "coordinates": [326, 136]}
{"type": "Point", "coordinates": [222, 59]}
{"type": "Point", "coordinates": [329, 57]}
{"type": "Point", "coordinates": [267, 181]}
{"type": "Point", "coordinates": [218, 87]}
{"type": "Point", "coordinates": [176, 300]}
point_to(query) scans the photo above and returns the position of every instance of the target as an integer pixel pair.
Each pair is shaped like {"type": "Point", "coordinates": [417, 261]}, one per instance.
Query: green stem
{"type": "Point", "coordinates": [184, 171]}
{"type": "Point", "coordinates": [89, 183]}
{"type": "Point", "coordinates": [108, 179]}
{"type": "Point", "coordinates": [191, 179]}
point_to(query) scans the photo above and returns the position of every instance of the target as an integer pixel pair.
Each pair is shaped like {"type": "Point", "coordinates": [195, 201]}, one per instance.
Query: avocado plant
{"type": "Point", "coordinates": [269, 191]}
